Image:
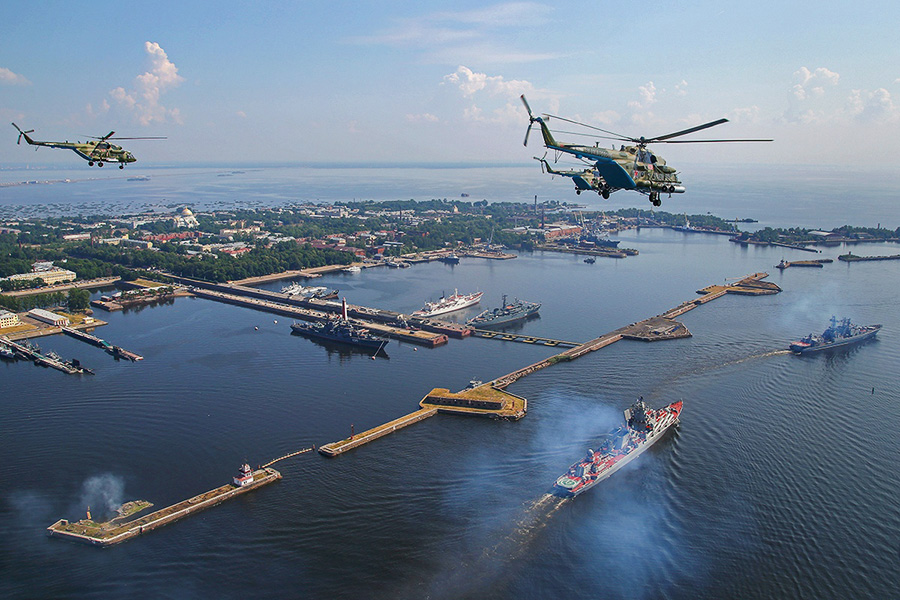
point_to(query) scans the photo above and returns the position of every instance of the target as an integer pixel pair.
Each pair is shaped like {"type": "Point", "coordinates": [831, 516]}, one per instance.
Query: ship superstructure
{"type": "Point", "coordinates": [643, 427]}
{"type": "Point", "coordinates": [446, 304]}
{"type": "Point", "coordinates": [340, 330]}
{"type": "Point", "coordinates": [507, 313]}
{"type": "Point", "coordinates": [837, 334]}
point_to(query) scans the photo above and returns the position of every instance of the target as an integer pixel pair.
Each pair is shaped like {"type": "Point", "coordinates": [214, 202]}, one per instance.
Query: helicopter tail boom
{"type": "Point", "coordinates": [24, 134]}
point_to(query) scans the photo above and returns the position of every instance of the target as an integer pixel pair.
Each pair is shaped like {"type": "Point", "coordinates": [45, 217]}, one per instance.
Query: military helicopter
{"type": "Point", "coordinates": [584, 179]}
{"type": "Point", "coordinates": [632, 167]}
{"type": "Point", "coordinates": [94, 152]}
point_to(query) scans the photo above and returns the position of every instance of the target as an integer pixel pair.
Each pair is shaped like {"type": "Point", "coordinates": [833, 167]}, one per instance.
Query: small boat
{"type": "Point", "coordinates": [353, 269]}
{"type": "Point", "coordinates": [590, 260]}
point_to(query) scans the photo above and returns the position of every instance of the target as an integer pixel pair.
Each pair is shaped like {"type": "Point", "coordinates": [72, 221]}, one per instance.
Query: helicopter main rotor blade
{"type": "Point", "coordinates": [686, 131]}
{"type": "Point", "coordinates": [620, 137]}
{"type": "Point", "coordinates": [705, 141]}
{"type": "Point", "coordinates": [590, 135]}
{"type": "Point", "coordinates": [527, 107]}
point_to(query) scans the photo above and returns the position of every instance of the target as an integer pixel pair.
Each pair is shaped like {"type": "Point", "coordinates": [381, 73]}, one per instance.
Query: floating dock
{"type": "Point", "coordinates": [115, 532]}
{"type": "Point", "coordinates": [524, 339]}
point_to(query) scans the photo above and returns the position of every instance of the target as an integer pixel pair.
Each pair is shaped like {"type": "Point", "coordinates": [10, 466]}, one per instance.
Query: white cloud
{"type": "Point", "coordinates": [104, 107]}
{"type": "Point", "coordinates": [9, 78]}
{"type": "Point", "coordinates": [875, 106]}
{"type": "Point", "coordinates": [487, 35]}
{"type": "Point", "coordinates": [422, 118]}
{"type": "Point", "coordinates": [681, 88]}
{"type": "Point", "coordinates": [813, 82]}
{"type": "Point", "coordinates": [648, 96]}
{"type": "Point", "coordinates": [488, 89]}
{"type": "Point", "coordinates": [241, 114]}
{"type": "Point", "coordinates": [470, 82]}
{"type": "Point", "coordinates": [144, 98]}
{"type": "Point", "coordinates": [746, 114]}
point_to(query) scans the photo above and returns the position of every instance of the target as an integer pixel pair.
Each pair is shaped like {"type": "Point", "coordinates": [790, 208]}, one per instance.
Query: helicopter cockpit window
{"type": "Point", "coordinates": [645, 157]}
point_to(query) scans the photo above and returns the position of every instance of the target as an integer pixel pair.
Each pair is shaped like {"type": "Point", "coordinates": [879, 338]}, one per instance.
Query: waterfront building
{"type": "Point", "coordinates": [8, 319]}
{"type": "Point", "coordinates": [48, 317]}
{"type": "Point", "coordinates": [50, 276]}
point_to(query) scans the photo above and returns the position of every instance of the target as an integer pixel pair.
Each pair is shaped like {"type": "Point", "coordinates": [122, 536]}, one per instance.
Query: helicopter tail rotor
{"type": "Point", "coordinates": [22, 133]}
{"type": "Point", "coordinates": [531, 118]}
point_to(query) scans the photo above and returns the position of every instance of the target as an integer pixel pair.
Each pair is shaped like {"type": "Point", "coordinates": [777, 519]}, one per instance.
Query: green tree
{"type": "Point", "coordinates": [78, 299]}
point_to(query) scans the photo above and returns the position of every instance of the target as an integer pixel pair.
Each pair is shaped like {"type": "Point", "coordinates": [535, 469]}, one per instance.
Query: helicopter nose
{"type": "Point", "coordinates": [130, 157]}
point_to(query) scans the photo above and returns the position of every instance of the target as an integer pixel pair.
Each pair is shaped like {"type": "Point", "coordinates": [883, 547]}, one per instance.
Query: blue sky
{"type": "Point", "coordinates": [258, 82]}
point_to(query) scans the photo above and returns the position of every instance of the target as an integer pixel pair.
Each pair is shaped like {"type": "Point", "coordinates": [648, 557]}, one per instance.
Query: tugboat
{"type": "Point", "coordinates": [454, 302]}
{"type": "Point", "coordinates": [643, 427]}
{"type": "Point", "coordinates": [836, 335]}
{"type": "Point", "coordinates": [340, 330]}
{"type": "Point", "coordinates": [505, 314]}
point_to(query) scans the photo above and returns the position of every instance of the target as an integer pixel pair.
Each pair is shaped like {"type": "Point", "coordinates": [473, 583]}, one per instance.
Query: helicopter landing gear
{"type": "Point", "coordinates": [90, 163]}
{"type": "Point", "coordinates": [605, 193]}
{"type": "Point", "coordinates": [654, 199]}
{"type": "Point", "coordinates": [577, 192]}
{"type": "Point", "coordinates": [99, 164]}
{"type": "Point", "coordinates": [121, 166]}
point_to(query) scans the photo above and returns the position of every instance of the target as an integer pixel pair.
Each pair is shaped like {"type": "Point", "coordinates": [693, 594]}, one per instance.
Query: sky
{"type": "Point", "coordinates": [439, 82]}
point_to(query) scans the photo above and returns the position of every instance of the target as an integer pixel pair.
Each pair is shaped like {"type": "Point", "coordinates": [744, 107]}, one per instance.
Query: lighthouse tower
{"type": "Point", "coordinates": [245, 476]}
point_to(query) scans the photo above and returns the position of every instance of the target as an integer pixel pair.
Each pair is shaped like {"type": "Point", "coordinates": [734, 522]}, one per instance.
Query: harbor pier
{"type": "Point", "coordinates": [115, 531]}
{"type": "Point", "coordinates": [492, 399]}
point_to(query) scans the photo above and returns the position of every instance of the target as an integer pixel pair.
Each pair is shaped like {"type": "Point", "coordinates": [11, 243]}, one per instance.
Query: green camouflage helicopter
{"type": "Point", "coordinates": [632, 167]}
{"type": "Point", "coordinates": [584, 179]}
{"type": "Point", "coordinates": [98, 152]}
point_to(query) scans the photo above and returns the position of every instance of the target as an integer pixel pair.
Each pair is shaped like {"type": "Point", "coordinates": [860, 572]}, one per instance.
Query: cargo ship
{"type": "Point", "coordinates": [643, 427]}
{"type": "Point", "coordinates": [455, 301]}
{"type": "Point", "coordinates": [507, 313]}
{"type": "Point", "coordinates": [340, 330]}
{"type": "Point", "coordinates": [838, 334]}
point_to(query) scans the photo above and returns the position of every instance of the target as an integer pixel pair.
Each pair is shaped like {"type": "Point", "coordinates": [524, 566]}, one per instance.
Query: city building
{"type": "Point", "coordinates": [8, 319]}
{"type": "Point", "coordinates": [48, 317]}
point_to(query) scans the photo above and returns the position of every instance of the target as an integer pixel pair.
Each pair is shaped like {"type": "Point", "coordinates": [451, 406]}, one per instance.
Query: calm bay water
{"type": "Point", "coordinates": [780, 482]}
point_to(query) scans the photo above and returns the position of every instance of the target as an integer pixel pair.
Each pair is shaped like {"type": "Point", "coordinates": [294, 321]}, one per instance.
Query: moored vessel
{"type": "Point", "coordinates": [643, 427]}
{"type": "Point", "coordinates": [445, 304]}
{"type": "Point", "coordinates": [837, 334]}
{"type": "Point", "coordinates": [508, 312]}
{"type": "Point", "coordinates": [340, 330]}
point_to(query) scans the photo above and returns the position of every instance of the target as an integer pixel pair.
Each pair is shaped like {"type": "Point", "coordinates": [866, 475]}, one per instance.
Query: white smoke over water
{"type": "Point", "coordinates": [103, 493]}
